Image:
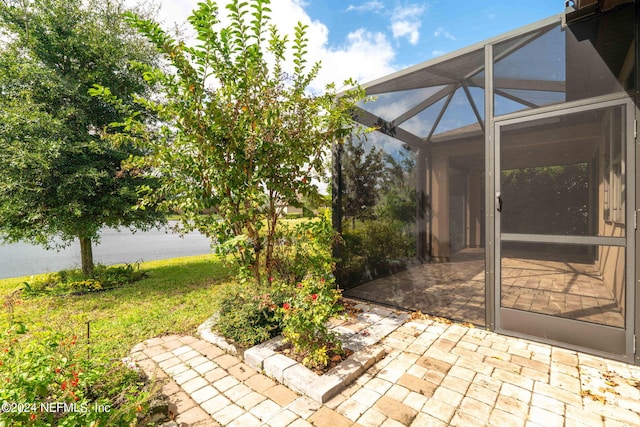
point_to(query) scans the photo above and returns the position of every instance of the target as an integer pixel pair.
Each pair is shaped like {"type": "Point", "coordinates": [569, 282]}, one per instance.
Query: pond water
{"type": "Point", "coordinates": [22, 259]}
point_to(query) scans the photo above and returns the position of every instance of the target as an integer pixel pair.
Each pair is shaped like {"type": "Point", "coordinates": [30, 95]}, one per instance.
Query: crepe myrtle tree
{"type": "Point", "coordinates": [60, 180]}
{"type": "Point", "coordinates": [237, 131]}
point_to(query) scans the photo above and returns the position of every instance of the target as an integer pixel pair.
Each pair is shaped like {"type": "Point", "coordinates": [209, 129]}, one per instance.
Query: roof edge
{"type": "Point", "coordinates": [443, 58]}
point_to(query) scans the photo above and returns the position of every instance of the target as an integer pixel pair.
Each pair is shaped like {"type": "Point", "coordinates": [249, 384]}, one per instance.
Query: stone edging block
{"type": "Point", "coordinates": [265, 357]}
{"type": "Point", "coordinates": [303, 380]}
{"type": "Point", "coordinates": [205, 331]}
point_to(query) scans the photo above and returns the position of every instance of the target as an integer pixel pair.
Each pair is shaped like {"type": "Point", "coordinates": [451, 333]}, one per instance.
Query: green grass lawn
{"type": "Point", "coordinates": [175, 298]}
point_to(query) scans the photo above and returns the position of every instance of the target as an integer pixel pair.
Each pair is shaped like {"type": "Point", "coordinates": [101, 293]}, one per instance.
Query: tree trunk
{"type": "Point", "coordinates": [86, 253]}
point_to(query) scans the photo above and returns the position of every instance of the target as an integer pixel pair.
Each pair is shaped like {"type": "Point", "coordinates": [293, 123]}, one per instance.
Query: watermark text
{"type": "Point", "coordinates": [52, 407]}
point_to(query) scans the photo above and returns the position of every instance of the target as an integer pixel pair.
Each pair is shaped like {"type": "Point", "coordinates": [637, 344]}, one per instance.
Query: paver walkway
{"type": "Point", "coordinates": [435, 373]}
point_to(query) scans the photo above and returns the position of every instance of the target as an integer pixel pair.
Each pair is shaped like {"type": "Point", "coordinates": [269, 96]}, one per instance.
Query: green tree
{"type": "Point", "coordinates": [398, 189]}
{"type": "Point", "coordinates": [362, 172]}
{"type": "Point", "coordinates": [236, 133]}
{"type": "Point", "coordinates": [547, 200]}
{"type": "Point", "coordinates": [61, 181]}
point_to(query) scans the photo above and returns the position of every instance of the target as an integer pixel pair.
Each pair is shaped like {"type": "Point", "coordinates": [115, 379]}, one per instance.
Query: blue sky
{"type": "Point", "coordinates": [419, 31]}
{"type": "Point", "coordinates": [368, 39]}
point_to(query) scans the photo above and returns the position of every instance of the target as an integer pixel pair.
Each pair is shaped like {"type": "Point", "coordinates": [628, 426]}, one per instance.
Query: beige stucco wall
{"type": "Point", "coordinates": [611, 259]}
{"type": "Point", "coordinates": [440, 208]}
{"type": "Point", "coordinates": [441, 156]}
{"type": "Point", "coordinates": [611, 264]}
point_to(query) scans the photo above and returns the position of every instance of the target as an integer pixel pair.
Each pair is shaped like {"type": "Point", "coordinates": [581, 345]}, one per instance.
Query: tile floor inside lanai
{"type": "Point", "coordinates": [455, 290]}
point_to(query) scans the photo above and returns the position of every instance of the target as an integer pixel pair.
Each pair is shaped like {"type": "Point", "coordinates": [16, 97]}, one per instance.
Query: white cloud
{"type": "Point", "coordinates": [441, 32]}
{"type": "Point", "coordinates": [363, 55]}
{"type": "Point", "coordinates": [405, 22]}
{"type": "Point", "coordinates": [405, 28]}
{"type": "Point", "coordinates": [370, 6]}
{"type": "Point", "coordinates": [437, 52]}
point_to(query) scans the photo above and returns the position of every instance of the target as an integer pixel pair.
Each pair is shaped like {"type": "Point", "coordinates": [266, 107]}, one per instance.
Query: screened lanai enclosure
{"type": "Point", "coordinates": [497, 185]}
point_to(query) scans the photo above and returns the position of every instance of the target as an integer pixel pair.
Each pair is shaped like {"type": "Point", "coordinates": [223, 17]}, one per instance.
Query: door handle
{"type": "Point", "coordinates": [498, 202]}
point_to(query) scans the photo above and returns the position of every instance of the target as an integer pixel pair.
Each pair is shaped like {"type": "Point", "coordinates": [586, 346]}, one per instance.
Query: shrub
{"type": "Point", "coordinates": [304, 320]}
{"type": "Point", "coordinates": [304, 249]}
{"type": "Point", "coordinates": [120, 275]}
{"type": "Point", "coordinates": [387, 240]}
{"type": "Point", "coordinates": [75, 282]}
{"type": "Point", "coordinates": [247, 315]}
{"type": "Point", "coordinates": [374, 249]}
{"type": "Point", "coordinates": [353, 265]}
{"type": "Point", "coordinates": [60, 386]}
{"type": "Point", "coordinates": [297, 301]}
{"type": "Point", "coordinates": [41, 284]}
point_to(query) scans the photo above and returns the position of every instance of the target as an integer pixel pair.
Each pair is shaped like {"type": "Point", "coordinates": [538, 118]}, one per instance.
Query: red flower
{"type": "Point", "coordinates": [63, 386]}
{"type": "Point", "coordinates": [314, 297]}
{"type": "Point", "coordinates": [286, 306]}
{"type": "Point", "coordinates": [32, 417]}
{"type": "Point", "coordinates": [74, 383]}
{"type": "Point", "coordinates": [299, 285]}
{"type": "Point", "coordinates": [58, 370]}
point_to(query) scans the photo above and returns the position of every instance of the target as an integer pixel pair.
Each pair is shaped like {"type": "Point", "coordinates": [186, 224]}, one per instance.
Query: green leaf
{"type": "Point", "coordinates": [65, 78]}
{"type": "Point", "coordinates": [231, 132]}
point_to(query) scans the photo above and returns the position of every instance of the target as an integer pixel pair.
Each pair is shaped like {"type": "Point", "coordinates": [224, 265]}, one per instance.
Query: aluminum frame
{"type": "Point", "coordinates": [615, 343]}
{"type": "Point", "coordinates": [621, 341]}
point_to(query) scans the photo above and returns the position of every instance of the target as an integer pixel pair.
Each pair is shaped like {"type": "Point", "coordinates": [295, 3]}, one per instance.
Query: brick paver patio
{"type": "Point", "coordinates": [456, 289]}
{"type": "Point", "coordinates": [435, 373]}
